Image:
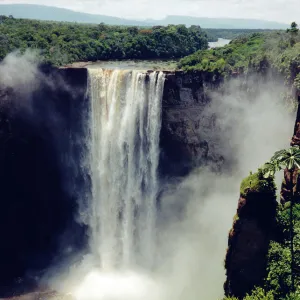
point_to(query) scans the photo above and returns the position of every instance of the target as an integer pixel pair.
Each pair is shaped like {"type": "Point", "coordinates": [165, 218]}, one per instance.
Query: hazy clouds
{"type": "Point", "coordinates": [274, 10]}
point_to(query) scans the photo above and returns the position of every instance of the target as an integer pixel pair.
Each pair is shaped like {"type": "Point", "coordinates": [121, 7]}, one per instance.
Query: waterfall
{"type": "Point", "coordinates": [125, 125]}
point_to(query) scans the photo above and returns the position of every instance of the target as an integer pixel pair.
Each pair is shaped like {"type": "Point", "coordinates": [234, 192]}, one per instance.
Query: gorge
{"type": "Point", "coordinates": [186, 173]}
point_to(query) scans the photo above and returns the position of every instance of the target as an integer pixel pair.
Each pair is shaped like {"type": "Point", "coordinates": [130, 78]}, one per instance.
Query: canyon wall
{"type": "Point", "coordinates": [41, 179]}
{"type": "Point", "coordinates": [186, 140]}
{"type": "Point", "coordinates": [249, 239]}
{"type": "Point", "coordinates": [44, 178]}
{"type": "Point", "coordinates": [43, 165]}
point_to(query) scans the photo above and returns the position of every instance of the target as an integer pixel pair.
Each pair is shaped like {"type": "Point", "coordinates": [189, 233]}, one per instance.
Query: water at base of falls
{"type": "Point", "coordinates": [124, 154]}
{"type": "Point", "coordinates": [125, 285]}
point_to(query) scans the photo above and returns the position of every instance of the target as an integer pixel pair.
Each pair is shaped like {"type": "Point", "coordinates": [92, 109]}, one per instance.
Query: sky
{"type": "Point", "coordinates": [284, 11]}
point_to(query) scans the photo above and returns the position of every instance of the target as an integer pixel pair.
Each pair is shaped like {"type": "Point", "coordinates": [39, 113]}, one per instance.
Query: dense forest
{"type": "Point", "coordinates": [230, 34]}
{"type": "Point", "coordinates": [258, 52]}
{"type": "Point", "coordinates": [63, 43]}
{"type": "Point", "coordinates": [254, 52]}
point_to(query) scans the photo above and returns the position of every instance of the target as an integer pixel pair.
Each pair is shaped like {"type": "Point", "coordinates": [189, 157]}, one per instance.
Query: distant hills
{"type": "Point", "coordinates": [41, 12]}
{"type": "Point", "coordinates": [222, 23]}
{"type": "Point", "coordinates": [49, 13]}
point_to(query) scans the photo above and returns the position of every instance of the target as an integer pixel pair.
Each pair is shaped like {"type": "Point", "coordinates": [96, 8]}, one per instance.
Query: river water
{"type": "Point", "coordinates": [220, 43]}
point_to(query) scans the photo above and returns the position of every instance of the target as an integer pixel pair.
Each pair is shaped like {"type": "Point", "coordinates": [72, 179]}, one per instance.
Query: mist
{"type": "Point", "coordinates": [249, 130]}
{"type": "Point", "coordinates": [20, 71]}
{"type": "Point", "coordinates": [198, 213]}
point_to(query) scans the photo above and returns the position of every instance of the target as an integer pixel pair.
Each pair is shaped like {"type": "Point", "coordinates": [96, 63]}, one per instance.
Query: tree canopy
{"type": "Point", "coordinates": [256, 52]}
{"type": "Point", "coordinates": [62, 43]}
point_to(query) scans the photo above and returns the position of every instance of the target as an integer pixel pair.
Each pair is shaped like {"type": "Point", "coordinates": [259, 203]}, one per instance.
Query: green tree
{"type": "Point", "coordinates": [288, 159]}
{"type": "Point", "coordinates": [293, 30]}
{"type": "Point", "coordinates": [63, 43]}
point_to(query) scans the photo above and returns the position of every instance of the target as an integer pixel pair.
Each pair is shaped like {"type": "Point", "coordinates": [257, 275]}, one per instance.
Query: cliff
{"type": "Point", "coordinates": [40, 135]}
{"type": "Point", "coordinates": [253, 229]}
{"type": "Point", "coordinates": [43, 170]}
{"type": "Point", "coordinates": [43, 136]}
{"type": "Point", "coordinates": [186, 140]}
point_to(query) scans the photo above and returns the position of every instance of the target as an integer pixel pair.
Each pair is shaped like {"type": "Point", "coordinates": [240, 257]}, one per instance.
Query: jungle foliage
{"type": "Point", "coordinates": [213, 34]}
{"type": "Point", "coordinates": [283, 260]}
{"type": "Point", "coordinates": [62, 43]}
{"type": "Point", "coordinates": [257, 52]}
{"type": "Point", "coordinates": [258, 184]}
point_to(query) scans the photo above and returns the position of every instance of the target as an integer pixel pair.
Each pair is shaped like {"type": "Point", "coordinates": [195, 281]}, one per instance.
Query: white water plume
{"type": "Point", "coordinates": [197, 213]}
{"type": "Point", "coordinates": [125, 127]}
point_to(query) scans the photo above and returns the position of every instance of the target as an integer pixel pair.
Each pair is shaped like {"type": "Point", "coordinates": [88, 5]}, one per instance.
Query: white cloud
{"type": "Point", "coordinates": [274, 10]}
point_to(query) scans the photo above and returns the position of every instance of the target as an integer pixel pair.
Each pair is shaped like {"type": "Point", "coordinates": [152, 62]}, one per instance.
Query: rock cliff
{"type": "Point", "coordinates": [40, 148]}
{"type": "Point", "coordinates": [42, 168]}
{"type": "Point", "coordinates": [186, 140]}
{"type": "Point", "coordinates": [253, 229]}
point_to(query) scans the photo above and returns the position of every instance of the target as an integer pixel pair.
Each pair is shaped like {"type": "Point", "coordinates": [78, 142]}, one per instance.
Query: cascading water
{"type": "Point", "coordinates": [125, 128]}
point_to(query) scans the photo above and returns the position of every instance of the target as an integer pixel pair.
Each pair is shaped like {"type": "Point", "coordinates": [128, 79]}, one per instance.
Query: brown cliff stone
{"type": "Point", "coordinates": [248, 242]}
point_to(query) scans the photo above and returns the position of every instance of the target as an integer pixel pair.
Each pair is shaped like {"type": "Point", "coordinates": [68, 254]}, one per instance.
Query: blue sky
{"type": "Point", "coordinates": [274, 10]}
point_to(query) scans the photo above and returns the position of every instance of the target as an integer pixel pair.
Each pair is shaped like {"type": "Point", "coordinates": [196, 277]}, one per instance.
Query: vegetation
{"type": "Point", "coordinates": [257, 183]}
{"type": "Point", "coordinates": [238, 56]}
{"type": "Point", "coordinates": [231, 34]}
{"type": "Point", "coordinates": [258, 52]}
{"type": "Point", "coordinates": [293, 31]}
{"type": "Point", "coordinates": [283, 279]}
{"type": "Point", "coordinates": [63, 43]}
{"type": "Point", "coordinates": [257, 294]}
{"type": "Point", "coordinates": [290, 161]}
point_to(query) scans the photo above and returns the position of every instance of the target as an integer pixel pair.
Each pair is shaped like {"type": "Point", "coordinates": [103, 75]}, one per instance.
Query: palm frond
{"type": "Point", "coordinates": [287, 158]}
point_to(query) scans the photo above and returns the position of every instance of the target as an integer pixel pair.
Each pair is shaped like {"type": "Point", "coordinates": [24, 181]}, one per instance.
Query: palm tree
{"type": "Point", "coordinates": [288, 159]}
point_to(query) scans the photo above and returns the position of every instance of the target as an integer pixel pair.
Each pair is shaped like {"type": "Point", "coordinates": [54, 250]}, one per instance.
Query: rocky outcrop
{"type": "Point", "coordinates": [253, 228]}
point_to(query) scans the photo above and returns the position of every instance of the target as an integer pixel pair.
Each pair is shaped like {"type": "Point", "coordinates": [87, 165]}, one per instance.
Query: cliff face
{"type": "Point", "coordinates": [186, 140]}
{"type": "Point", "coordinates": [44, 139]}
{"type": "Point", "coordinates": [249, 238]}
{"type": "Point", "coordinates": [43, 170]}
{"type": "Point", "coordinates": [40, 148]}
